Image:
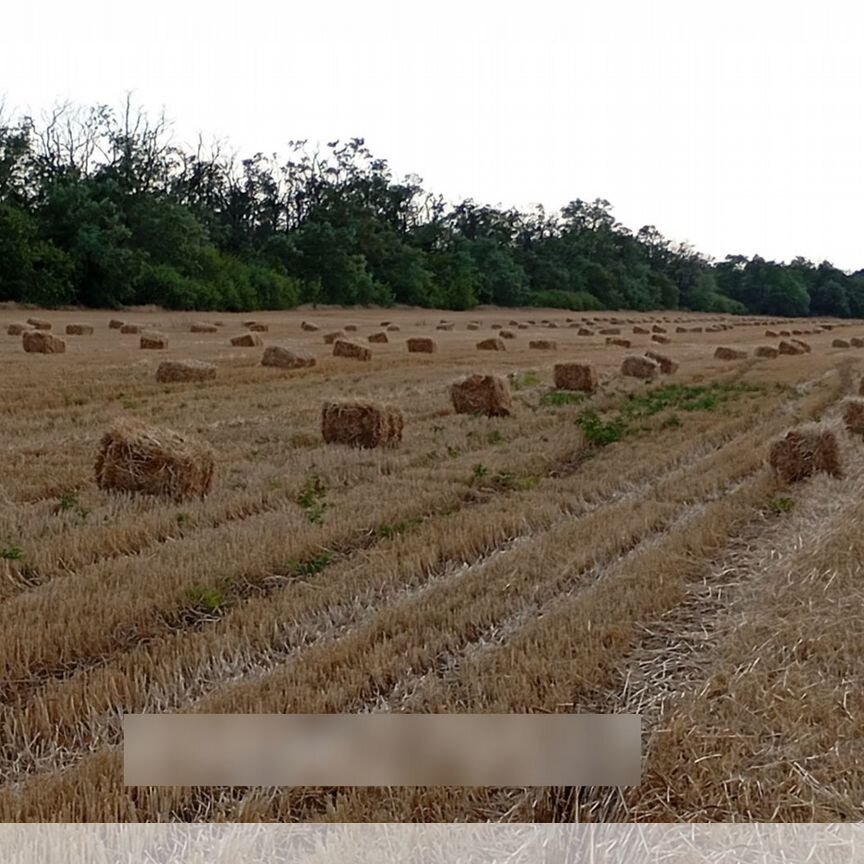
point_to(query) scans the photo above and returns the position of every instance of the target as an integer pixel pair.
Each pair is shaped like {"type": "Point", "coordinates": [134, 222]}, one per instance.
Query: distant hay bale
{"type": "Point", "coordinates": [725, 353]}
{"type": "Point", "coordinates": [771, 334]}
{"type": "Point", "coordinates": [482, 394]}
{"type": "Point", "coordinates": [507, 334]}
{"type": "Point", "coordinates": [575, 376]}
{"type": "Point", "coordinates": [611, 331]}
{"type": "Point", "coordinates": [154, 341]}
{"type": "Point", "coordinates": [680, 329]}
{"type": "Point", "coordinates": [131, 328]}
{"type": "Point", "coordinates": [16, 328]}
{"type": "Point", "coordinates": [640, 367]}
{"type": "Point", "coordinates": [802, 344]}
{"type": "Point", "coordinates": [42, 342]}
{"type": "Point", "coordinates": [766, 351]}
{"type": "Point", "coordinates": [497, 326]}
{"type": "Point", "coordinates": [543, 345]}
{"type": "Point", "coordinates": [667, 365]}
{"type": "Point", "coordinates": [491, 345]}
{"type": "Point", "coordinates": [350, 328]}
{"type": "Point", "coordinates": [788, 348]}
{"type": "Point", "coordinates": [378, 338]}
{"type": "Point", "coordinates": [421, 345]}
{"type": "Point", "coordinates": [696, 330]}
{"type": "Point", "coordinates": [552, 324]}
{"type": "Point", "coordinates": [861, 387]}
{"type": "Point", "coordinates": [202, 327]}
{"type": "Point", "coordinates": [663, 340]}
{"type": "Point", "coordinates": [513, 322]}
{"type": "Point", "coordinates": [39, 323]}
{"type": "Point", "coordinates": [621, 343]}
{"type": "Point", "coordinates": [257, 327]}
{"type": "Point", "coordinates": [448, 326]}
{"type": "Point", "coordinates": [840, 343]}
{"type": "Point", "coordinates": [853, 415]}
{"type": "Point", "coordinates": [115, 324]}
{"type": "Point", "coordinates": [79, 330]}
{"type": "Point", "coordinates": [785, 333]}
{"type": "Point", "coordinates": [393, 328]}
{"type": "Point", "coordinates": [361, 424]}
{"type": "Point", "coordinates": [526, 327]}
{"type": "Point", "coordinates": [805, 451]}
{"type": "Point", "coordinates": [330, 338]}
{"type": "Point", "coordinates": [584, 331]}
{"type": "Point", "coordinates": [856, 342]}
{"type": "Point", "coordinates": [472, 326]}
{"type": "Point", "coordinates": [184, 370]}
{"type": "Point", "coordinates": [247, 340]}
{"type": "Point", "coordinates": [309, 327]}
{"type": "Point", "coordinates": [281, 357]}
{"type": "Point", "coordinates": [656, 328]}
{"type": "Point", "coordinates": [641, 331]}
{"type": "Point", "coordinates": [344, 348]}
{"type": "Point", "coordinates": [135, 457]}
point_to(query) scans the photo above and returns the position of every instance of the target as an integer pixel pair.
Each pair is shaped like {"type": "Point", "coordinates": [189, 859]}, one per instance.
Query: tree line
{"type": "Point", "coordinates": [100, 207]}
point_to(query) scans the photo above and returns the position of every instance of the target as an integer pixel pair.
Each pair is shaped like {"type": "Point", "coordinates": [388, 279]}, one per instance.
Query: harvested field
{"type": "Point", "coordinates": [623, 547]}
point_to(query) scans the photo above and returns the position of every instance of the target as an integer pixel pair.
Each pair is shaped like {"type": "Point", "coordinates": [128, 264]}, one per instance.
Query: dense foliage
{"type": "Point", "coordinates": [102, 209]}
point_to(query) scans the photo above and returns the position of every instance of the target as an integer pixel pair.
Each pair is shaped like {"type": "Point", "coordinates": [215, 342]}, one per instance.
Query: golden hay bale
{"type": "Point", "coordinates": [725, 353]}
{"type": "Point", "coordinates": [680, 329]}
{"type": "Point", "coordinates": [131, 328]}
{"type": "Point", "coordinates": [344, 348]}
{"type": "Point", "coordinates": [803, 452]}
{"type": "Point", "coordinates": [184, 370]}
{"type": "Point", "coordinates": [155, 341]}
{"type": "Point", "coordinates": [361, 424]}
{"type": "Point", "coordinates": [641, 331]}
{"type": "Point", "coordinates": [281, 357]}
{"type": "Point", "coordinates": [247, 340]}
{"type": "Point", "coordinates": [482, 394]}
{"type": "Point", "coordinates": [16, 329]}
{"type": "Point", "coordinates": [553, 325]}
{"type": "Point", "coordinates": [584, 331]}
{"type": "Point", "coordinates": [526, 327]}
{"type": "Point", "coordinates": [507, 334]}
{"type": "Point", "coordinates": [393, 328]}
{"type": "Point", "coordinates": [853, 415]}
{"type": "Point", "coordinates": [575, 376]}
{"type": "Point", "coordinates": [491, 345]}
{"type": "Point", "coordinates": [202, 327]}
{"type": "Point", "coordinates": [472, 326]}
{"type": "Point", "coordinates": [135, 457]}
{"type": "Point", "coordinates": [656, 328]}
{"type": "Point", "coordinates": [766, 351]}
{"type": "Point", "coordinates": [771, 334]}
{"type": "Point", "coordinates": [514, 323]}
{"type": "Point", "coordinates": [621, 343]}
{"type": "Point", "coordinates": [330, 338]}
{"type": "Point", "coordinates": [802, 344]}
{"type": "Point", "coordinates": [114, 324]}
{"type": "Point", "coordinates": [696, 330]}
{"type": "Point", "coordinates": [663, 340]}
{"type": "Point", "coordinates": [788, 348]}
{"type": "Point", "coordinates": [79, 330]}
{"type": "Point", "coordinates": [856, 342]}
{"type": "Point", "coordinates": [640, 367]}
{"type": "Point", "coordinates": [667, 365]}
{"type": "Point", "coordinates": [421, 345]}
{"type": "Point", "coordinates": [785, 333]}
{"type": "Point", "coordinates": [444, 326]}
{"type": "Point", "coordinates": [611, 331]}
{"type": "Point", "coordinates": [258, 327]}
{"type": "Point", "coordinates": [497, 326]}
{"type": "Point", "coordinates": [840, 343]}
{"type": "Point", "coordinates": [39, 323]}
{"type": "Point", "coordinates": [309, 327]}
{"type": "Point", "coordinates": [543, 345]}
{"type": "Point", "coordinates": [378, 338]}
{"type": "Point", "coordinates": [42, 342]}
{"type": "Point", "coordinates": [350, 328]}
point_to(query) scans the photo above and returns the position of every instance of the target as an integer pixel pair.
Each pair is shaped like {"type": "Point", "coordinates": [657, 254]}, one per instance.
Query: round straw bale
{"type": "Point", "coordinates": [131, 328]}
{"type": "Point", "coordinates": [281, 357]}
{"type": "Point", "coordinates": [639, 367]}
{"type": "Point", "coordinates": [185, 370]}
{"type": "Point", "coordinates": [725, 353]}
{"type": "Point", "coordinates": [421, 345]}
{"type": "Point", "coordinates": [853, 415]}
{"type": "Point", "coordinates": [258, 327]}
{"type": "Point", "coordinates": [667, 365]}
{"type": "Point", "coordinates": [491, 345]}
{"type": "Point", "coordinates": [482, 394]}
{"type": "Point", "coordinates": [115, 324]}
{"type": "Point", "coordinates": [345, 348]}
{"type": "Point", "coordinates": [378, 338]}
{"type": "Point", "coordinates": [135, 457]}
{"type": "Point", "coordinates": [575, 376]}
{"type": "Point", "coordinates": [79, 330]}
{"type": "Point", "coordinates": [662, 340]}
{"type": "Point", "coordinates": [330, 338]}
{"type": "Point", "coordinates": [766, 351]}
{"type": "Point", "coordinates": [361, 424]}
{"type": "Point", "coordinates": [543, 345]}
{"type": "Point", "coordinates": [42, 342]}
{"type": "Point", "coordinates": [202, 327]}
{"type": "Point", "coordinates": [16, 328]}
{"type": "Point", "coordinates": [309, 327]}
{"type": "Point", "coordinates": [805, 451]}
{"type": "Point", "coordinates": [840, 343]}
{"type": "Point", "coordinates": [247, 340]}
{"type": "Point", "coordinates": [39, 323]}
{"type": "Point", "coordinates": [154, 341]}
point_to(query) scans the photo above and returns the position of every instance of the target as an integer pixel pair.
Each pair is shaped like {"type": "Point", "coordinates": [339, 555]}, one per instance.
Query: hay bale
{"type": "Point", "coordinates": [640, 367]}
{"type": "Point", "coordinates": [803, 452]}
{"type": "Point", "coordinates": [393, 328]}
{"type": "Point", "coordinates": [154, 341]}
{"type": "Point", "coordinates": [543, 345]}
{"type": "Point", "coordinates": [662, 340]}
{"type": "Point", "coordinates": [16, 329]}
{"type": "Point", "coordinates": [421, 345]}
{"type": "Point", "coordinates": [656, 328]}
{"type": "Point", "coordinates": [575, 376]}
{"type": "Point", "coordinates": [840, 343]}
{"type": "Point", "coordinates": [584, 331]}
{"type": "Point", "coordinates": [491, 345]}
{"type": "Point", "coordinates": [361, 424]}
{"type": "Point", "coordinates": [680, 329]}
{"type": "Point", "coordinates": [350, 328]}
{"type": "Point", "coordinates": [853, 415]}
{"type": "Point", "coordinates": [482, 394]}
{"type": "Point", "coordinates": [641, 331]}
{"type": "Point", "coordinates": [507, 334]}
{"type": "Point", "coordinates": [667, 365]}
{"type": "Point", "coordinates": [766, 351]}
{"type": "Point", "coordinates": [79, 330]}
{"type": "Point", "coordinates": [788, 348]}
{"type": "Point", "coordinates": [378, 338]}
{"type": "Point", "coordinates": [202, 327]}
{"type": "Point", "coordinates": [621, 343]}
{"type": "Point", "coordinates": [802, 344]}
{"type": "Point", "coordinates": [39, 323]}
{"type": "Point", "coordinates": [309, 327]}
{"type": "Point", "coordinates": [247, 340]}
{"type": "Point", "coordinates": [785, 333]}
{"type": "Point", "coordinates": [131, 328]}
{"type": "Point", "coordinates": [330, 338]}
{"type": "Point", "coordinates": [42, 342]}
{"type": "Point", "coordinates": [856, 342]}
{"type": "Point", "coordinates": [184, 370]}
{"type": "Point", "coordinates": [497, 326]}
{"type": "Point", "coordinates": [344, 348]}
{"type": "Point", "coordinates": [472, 326]}
{"type": "Point", "coordinates": [553, 325]}
{"type": "Point", "coordinates": [257, 327]}
{"type": "Point", "coordinates": [280, 357]}
{"type": "Point", "coordinates": [696, 330]}
{"type": "Point", "coordinates": [135, 457]}
{"type": "Point", "coordinates": [611, 331]}
{"type": "Point", "coordinates": [526, 327]}
{"type": "Point", "coordinates": [725, 353]}
{"type": "Point", "coordinates": [114, 324]}
{"type": "Point", "coordinates": [448, 326]}
{"type": "Point", "coordinates": [771, 334]}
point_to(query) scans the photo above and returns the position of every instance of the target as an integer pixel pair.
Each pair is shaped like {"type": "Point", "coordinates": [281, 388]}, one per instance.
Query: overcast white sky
{"type": "Point", "coordinates": [738, 126]}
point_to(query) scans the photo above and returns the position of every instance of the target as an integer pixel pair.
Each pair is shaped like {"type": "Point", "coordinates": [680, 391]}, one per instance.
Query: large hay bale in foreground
{"type": "Point", "coordinates": [184, 370]}
{"type": "Point", "coordinates": [247, 340]}
{"type": "Point", "coordinates": [725, 353]}
{"type": "Point", "coordinates": [667, 365]}
{"type": "Point", "coordinates": [39, 323]}
{"type": "Point", "coordinates": [135, 457]}
{"type": "Point", "coordinates": [130, 329]}
{"type": "Point", "coordinates": [482, 394]}
{"type": "Point", "coordinates": [640, 367]}
{"type": "Point", "coordinates": [42, 342]}
{"type": "Point", "coordinates": [258, 327]}
{"type": "Point", "coordinates": [840, 343]}
{"type": "Point", "coordinates": [361, 424]}
{"type": "Point", "coordinates": [202, 327]}
{"type": "Point", "coordinates": [378, 338]}
{"type": "Point", "coordinates": [344, 348]}
{"type": "Point", "coordinates": [491, 345]}
{"type": "Point", "coordinates": [575, 376]}
{"type": "Point", "coordinates": [154, 341]}
{"type": "Point", "coordinates": [788, 348]}
{"type": "Point", "coordinates": [16, 328]}
{"type": "Point", "coordinates": [805, 451]}
{"type": "Point", "coordinates": [330, 338]}
{"type": "Point", "coordinates": [543, 345]}
{"type": "Point", "coordinates": [766, 351]}
{"type": "Point", "coordinates": [79, 330]}
{"type": "Point", "coordinates": [280, 357]}
{"type": "Point", "coordinates": [115, 324]}
{"type": "Point", "coordinates": [856, 342]}
{"type": "Point", "coordinates": [421, 345]}
{"type": "Point", "coordinates": [853, 415]}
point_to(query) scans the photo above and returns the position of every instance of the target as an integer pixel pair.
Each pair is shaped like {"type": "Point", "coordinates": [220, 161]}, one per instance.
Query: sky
{"type": "Point", "coordinates": [735, 126]}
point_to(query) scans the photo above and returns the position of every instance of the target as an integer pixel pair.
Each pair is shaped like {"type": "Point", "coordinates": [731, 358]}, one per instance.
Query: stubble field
{"type": "Point", "coordinates": [619, 552]}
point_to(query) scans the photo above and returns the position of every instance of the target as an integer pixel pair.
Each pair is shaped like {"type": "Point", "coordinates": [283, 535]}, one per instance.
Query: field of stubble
{"type": "Point", "coordinates": [485, 565]}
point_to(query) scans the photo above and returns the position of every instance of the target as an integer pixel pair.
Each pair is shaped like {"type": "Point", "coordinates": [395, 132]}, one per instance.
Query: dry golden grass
{"type": "Point", "coordinates": [486, 564]}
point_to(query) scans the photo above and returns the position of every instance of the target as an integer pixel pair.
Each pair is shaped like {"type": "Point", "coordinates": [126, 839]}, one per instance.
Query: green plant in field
{"type": "Point", "coordinates": [11, 553]}
{"type": "Point", "coordinates": [452, 451]}
{"type": "Point", "coordinates": [397, 528]}
{"type": "Point", "coordinates": [311, 498]}
{"type": "Point", "coordinates": [561, 398]}
{"type": "Point", "coordinates": [494, 437]}
{"type": "Point", "coordinates": [310, 566]}
{"type": "Point", "coordinates": [206, 599]}
{"type": "Point", "coordinates": [68, 502]}
{"type": "Point", "coordinates": [684, 397]}
{"type": "Point", "coordinates": [673, 421]}
{"type": "Point", "coordinates": [599, 432]}
{"type": "Point", "coordinates": [780, 505]}
{"type": "Point", "coordinates": [478, 472]}
{"type": "Point", "coordinates": [526, 379]}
